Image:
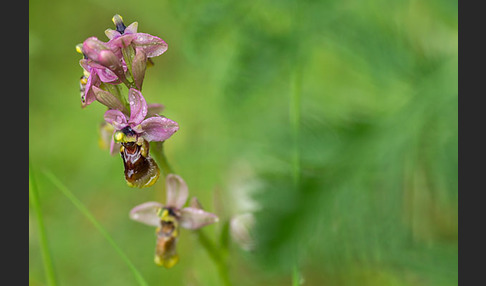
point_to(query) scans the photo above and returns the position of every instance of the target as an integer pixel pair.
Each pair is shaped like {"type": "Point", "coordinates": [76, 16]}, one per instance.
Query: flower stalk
{"type": "Point", "coordinates": [157, 151]}
{"type": "Point", "coordinates": [216, 256]}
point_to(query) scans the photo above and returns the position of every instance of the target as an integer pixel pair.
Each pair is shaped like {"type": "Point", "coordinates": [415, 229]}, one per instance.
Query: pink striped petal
{"type": "Point", "coordinates": [107, 75]}
{"type": "Point", "coordinates": [92, 48]}
{"type": "Point", "coordinates": [138, 106]}
{"type": "Point", "coordinates": [111, 34]}
{"type": "Point", "coordinates": [194, 218]}
{"type": "Point", "coordinates": [177, 191]}
{"type": "Point", "coordinates": [116, 118]}
{"type": "Point", "coordinates": [153, 46]}
{"type": "Point", "coordinates": [114, 147]}
{"type": "Point", "coordinates": [132, 28]}
{"type": "Point", "coordinates": [89, 95]}
{"type": "Point", "coordinates": [157, 128]}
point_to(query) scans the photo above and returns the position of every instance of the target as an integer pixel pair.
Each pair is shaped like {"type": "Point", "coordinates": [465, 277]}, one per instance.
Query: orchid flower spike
{"type": "Point", "coordinates": [134, 134]}
{"type": "Point", "coordinates": [169, 217]}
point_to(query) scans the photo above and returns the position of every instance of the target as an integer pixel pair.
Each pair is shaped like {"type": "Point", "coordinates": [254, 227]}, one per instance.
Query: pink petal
{"type": "Point", "coordinates": [132, 28]}
{"type": "Point", "coordinates": [177, 192]}
{"type": "Point", "coordinates": [92, 48]}
{"type": "Point", "coordinates": [107, 75]}
{"type": "Point", "coordinates": [195, 203]}
{"type": "Point", "coordinates": [147, 213]}
{"type": "Point", "coordinates": [152, 46]}
{"type": "Point", "coordinates": [138, 106]}
{"type": "Point", "coordinates": [114, 147]}
{"type": "Point", "coordinates": [111, 34]}
{"type": "Point", "coordinates": [194, 218]}
{"type": "Point", "coordinates": [89, 95]}
{"type": "Point", "coordinates": [158, 128]}
{"type": "Point", "coordinates": [119, 42]}
{"type": "Point", "coordinates": [116, 118]}
{"type": "Point", "coordinates": [108, 59]}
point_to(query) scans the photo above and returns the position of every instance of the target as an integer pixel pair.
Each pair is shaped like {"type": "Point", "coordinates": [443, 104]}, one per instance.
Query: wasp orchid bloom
{"type": "Point", "coordinates": [106, 131]}
{"type": "Point", "coordinates": [170, 217]}
{"type": "Point", "coordinates": [140, 123]}
{"type": "Point", "coordinates": [134, 132]}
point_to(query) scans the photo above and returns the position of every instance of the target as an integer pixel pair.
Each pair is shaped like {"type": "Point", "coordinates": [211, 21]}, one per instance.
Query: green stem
{"type": "Point", "coordinates": [295, 276]}
{"type": "Point", "coordinates": [97, 225]}
{"type": "Point", "coordinates": [157, 150]}
{"type": "Point", "coordinates": [129, 84]}
{"type": "Point", "coordinates": [46, 255]}
{"type": "Point", "coordinates": [215, 255]}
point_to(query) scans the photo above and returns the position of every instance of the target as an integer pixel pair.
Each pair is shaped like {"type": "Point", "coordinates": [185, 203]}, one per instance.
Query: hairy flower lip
{"type": "Point", "coordinates": [140, 169]}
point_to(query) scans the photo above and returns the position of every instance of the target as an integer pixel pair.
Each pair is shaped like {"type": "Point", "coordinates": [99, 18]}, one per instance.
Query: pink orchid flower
{"type": "Point", "coordinates": [150, 128]}
{"type": "Point", "coordinates": [169, 217]}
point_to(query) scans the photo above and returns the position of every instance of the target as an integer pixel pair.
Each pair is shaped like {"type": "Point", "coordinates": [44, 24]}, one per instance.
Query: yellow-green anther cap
{"type": "Point", "coordinates": [119, 136]}
{"type": "Point", "coordinates": [79, 48]}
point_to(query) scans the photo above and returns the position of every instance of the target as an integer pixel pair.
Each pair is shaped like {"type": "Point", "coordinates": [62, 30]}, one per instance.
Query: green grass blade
{"type": "Point", "coordinates": [36, 206]}
{"type": "Point", "coordinates": [295, 121]}
{"type": "Point", "coordinates": [98, 226]}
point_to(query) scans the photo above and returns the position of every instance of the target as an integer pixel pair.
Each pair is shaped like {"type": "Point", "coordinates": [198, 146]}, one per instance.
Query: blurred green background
{"type": "Point", "coordinates": [356, 101]}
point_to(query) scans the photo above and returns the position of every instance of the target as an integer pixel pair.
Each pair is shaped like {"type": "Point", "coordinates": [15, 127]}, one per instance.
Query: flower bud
{"type": "Point", "coordinates": [98, 52]}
